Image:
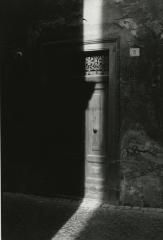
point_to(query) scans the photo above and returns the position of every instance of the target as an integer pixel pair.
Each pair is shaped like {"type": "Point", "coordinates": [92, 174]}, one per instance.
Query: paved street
{"type": "Point", "coordinates": [34, 218]}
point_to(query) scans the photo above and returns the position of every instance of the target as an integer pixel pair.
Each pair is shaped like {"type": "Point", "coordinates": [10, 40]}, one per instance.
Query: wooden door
{"type": "Point", "coordinates": [81, 118]}
{"type": "Point", "coordinates": [97, 72]}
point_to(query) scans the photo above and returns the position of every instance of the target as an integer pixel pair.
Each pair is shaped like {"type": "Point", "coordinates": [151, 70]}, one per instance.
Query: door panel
{"type": "Point", "coordinates": [96, 126]}
{"type": "Point", "coordinates": [96, 142]}
{"type": "Point", "coordinates": [96, 123]}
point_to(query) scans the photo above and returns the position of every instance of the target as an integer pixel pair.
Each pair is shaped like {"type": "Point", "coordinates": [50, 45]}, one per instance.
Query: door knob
{"type": "Point", "coordinates": [94, 130]}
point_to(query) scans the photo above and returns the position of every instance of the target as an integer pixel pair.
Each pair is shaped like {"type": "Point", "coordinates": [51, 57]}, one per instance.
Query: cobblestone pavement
{"type": "Point", "coordinates": [27, 217]}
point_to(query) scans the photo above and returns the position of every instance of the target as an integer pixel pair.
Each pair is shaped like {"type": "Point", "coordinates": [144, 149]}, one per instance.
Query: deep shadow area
{"type": "Point", "coordinates": [44, 99]}
{"type": "Point", "coordinates": [64, 98]}
{"type": "Point", "coordinates": [27, 217]}
{"type": "Point", "coordinates": [46, 124]}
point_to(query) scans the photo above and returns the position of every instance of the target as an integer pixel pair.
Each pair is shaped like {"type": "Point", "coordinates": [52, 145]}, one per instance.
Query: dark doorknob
{"type": "Point", "coordinates": [94, 130]}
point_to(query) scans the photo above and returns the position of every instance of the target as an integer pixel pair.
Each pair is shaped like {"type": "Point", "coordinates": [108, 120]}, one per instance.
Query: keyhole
{"type": "Point", "coordinates": [94, 130]}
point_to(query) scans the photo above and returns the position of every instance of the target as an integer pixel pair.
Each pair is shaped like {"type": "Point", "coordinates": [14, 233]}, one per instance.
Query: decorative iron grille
{"type": "Point", "coordinates": [97, 64]}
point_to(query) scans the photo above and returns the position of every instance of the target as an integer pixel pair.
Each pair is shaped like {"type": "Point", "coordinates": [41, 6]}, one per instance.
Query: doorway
{"type": "Point", "coordinates": [102, 122]}
{"type": "Point", "coordinates": [79, 120]}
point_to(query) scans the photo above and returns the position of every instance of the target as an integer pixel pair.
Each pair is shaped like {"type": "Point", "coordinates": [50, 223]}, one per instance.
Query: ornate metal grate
{"type": "Point", "coordinates": [97, 64]}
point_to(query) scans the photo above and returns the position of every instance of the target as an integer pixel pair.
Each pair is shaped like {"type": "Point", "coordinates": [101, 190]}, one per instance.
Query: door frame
{"type": "Point", "coordinates": [111, 44]}
{"type": "Point", "coordinates": [111, 185]}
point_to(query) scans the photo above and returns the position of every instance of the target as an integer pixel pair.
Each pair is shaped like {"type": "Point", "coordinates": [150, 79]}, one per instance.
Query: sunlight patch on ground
{"type": "Point", "coordinates": [72, 228]}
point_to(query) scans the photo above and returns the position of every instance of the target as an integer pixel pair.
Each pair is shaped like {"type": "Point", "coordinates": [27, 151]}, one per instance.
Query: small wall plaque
{"type": "Point", "coordinates": [134, 52]}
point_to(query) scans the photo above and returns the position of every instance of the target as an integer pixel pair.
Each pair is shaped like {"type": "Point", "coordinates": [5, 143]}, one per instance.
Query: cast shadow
{"type": "Point", "coordinates": [45, 150]}
{"type": "Point", "coordinates": [115, 224]}
{"type": "Point", "coordinates": [43, 104]}
{"type": "Point", "coordinates": [27, 217]}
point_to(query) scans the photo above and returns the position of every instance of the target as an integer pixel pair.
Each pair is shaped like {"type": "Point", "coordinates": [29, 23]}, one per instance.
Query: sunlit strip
{"type": "Point", "coordinates": [92, 15]}
{"type": "Point", "coordinates": [92, 30]}
{"type": "Point", "coordinates": [78, 221]}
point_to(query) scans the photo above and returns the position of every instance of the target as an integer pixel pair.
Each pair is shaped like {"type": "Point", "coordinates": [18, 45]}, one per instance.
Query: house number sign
{"type": "Point", "coordinates": [134, 52]}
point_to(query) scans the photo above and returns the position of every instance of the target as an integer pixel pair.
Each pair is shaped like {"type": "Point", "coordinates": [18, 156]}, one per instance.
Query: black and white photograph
{"type": "Point", "coordinates": [81, 119]}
